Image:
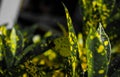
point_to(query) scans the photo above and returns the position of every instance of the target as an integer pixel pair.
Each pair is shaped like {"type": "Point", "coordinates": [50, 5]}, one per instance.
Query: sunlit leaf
{"type": "Point", "coordinates": [82, 52]}
{"type": "Point", "coordinates": [13, 41]}
{"type": "Point", "coordinates": [3, 30]}
{"type": "Point", "coordinates": [48, 34]}
{"type": "Point", "coordinates": [50, 54]}
{"type": "Point", "coordinates": [73, 42]}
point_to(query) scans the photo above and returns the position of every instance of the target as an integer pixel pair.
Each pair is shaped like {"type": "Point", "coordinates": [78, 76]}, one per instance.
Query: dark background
{"type": "Point", "coordinates": [48, 12]}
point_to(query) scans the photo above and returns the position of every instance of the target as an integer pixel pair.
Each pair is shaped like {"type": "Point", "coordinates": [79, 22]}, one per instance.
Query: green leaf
{"type": "Point", "coordinates": [104, 40]}
{"type": "Point", "coordinates": [13, 41]}
{"type": "Point", "coordinates": [20, 42]}
{"type": "Point", "coordinates": [73, 42]}
{"type": "Point", "coordinates": [3, 30]}
{"type": "Point", "coordinates": [62, 46]}
{"type": "Point", "coordinates": [62, 29]}
{"type": "Point", "coordinates": [98, 53]}
{"type": "Point", "coordinates": [8, 56]}
{"type": "Point", "coordinates": [24, 53]}
{"type": "Point", "coordinates": [5, 48]}
{"type": "Point", "coordinates": [1, 48]}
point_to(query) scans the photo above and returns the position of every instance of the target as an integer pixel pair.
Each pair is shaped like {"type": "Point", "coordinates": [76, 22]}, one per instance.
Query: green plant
{"type": "Point", "coordinates": [13, 53]}
{"type": "Point", "coordinates": [65, 55]}
{"type": "Point", "coordinates": [98, 53]}
{"type": "Point", "coordinates": [98, 50]}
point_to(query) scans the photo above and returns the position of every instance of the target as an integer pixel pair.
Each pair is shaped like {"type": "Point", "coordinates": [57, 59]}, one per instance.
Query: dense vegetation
{"type": "Point", "coordinates": [25, 53]}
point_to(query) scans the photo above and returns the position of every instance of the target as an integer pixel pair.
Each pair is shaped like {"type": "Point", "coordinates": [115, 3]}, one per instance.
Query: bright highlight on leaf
{"type": "Point", "coordinates": [101, 71]}
{"type": "Point", "coordinates": [51, 55]}
{"type": "Point", "coordinates": [100, 49]}
{"type": "Point", "coordinates": [106, 43]}
{"type": "Point", "coordinates": [36, 39]}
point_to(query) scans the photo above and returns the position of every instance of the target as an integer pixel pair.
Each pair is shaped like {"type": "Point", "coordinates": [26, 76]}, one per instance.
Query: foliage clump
{"type": "Point", "coordinates": [25, 54]}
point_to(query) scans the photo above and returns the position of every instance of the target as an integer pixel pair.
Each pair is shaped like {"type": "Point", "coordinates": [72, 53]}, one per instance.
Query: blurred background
{"type": "Point", "coordinates": [47, 13]}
